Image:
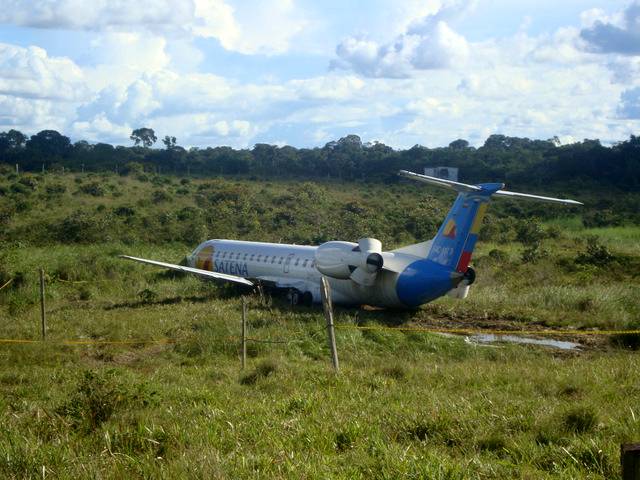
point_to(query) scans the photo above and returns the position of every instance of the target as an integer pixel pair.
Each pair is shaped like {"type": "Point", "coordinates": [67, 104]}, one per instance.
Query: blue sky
{"type": "Point", "coordinates": [297, 72]}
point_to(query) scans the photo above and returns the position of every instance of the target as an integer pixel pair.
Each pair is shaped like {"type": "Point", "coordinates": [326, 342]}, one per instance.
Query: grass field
{"type": "Point", "coordinates": [406, 404]}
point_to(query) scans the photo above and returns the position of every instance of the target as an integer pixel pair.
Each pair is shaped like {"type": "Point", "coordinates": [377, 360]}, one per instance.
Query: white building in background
{"type": "Point", "coordinates": [448, 173]}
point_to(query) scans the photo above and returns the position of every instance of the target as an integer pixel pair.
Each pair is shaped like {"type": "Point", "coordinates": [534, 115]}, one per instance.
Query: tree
{"type": "Point", "coordinates": [145, 136]}
{"type": "Point", "coordinates": [169, 142]}
{"type": "Point", "coordinates": [12, 139]}
{"type": "Point", "coordinates": [459, 144]}
{"type": "Point", "coordinates": [49, 143]}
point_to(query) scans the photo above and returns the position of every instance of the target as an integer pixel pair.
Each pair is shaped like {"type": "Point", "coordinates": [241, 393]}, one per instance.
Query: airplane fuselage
{"type": "Point", "coordinates": [294, 267]}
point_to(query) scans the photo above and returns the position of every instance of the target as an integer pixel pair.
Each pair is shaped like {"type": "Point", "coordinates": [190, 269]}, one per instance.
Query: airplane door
{"type": "Point", "coordinates": [287, 262]}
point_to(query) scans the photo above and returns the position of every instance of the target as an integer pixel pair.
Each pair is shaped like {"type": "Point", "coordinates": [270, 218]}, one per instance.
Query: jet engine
{"type": "Point", "coordinates": [462, 290]}
{"type": "Point", "coordinates": [361, 262]}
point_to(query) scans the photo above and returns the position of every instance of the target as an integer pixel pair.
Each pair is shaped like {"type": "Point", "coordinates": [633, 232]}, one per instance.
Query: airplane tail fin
{"type": "Point", "coordinates": [453, 245]}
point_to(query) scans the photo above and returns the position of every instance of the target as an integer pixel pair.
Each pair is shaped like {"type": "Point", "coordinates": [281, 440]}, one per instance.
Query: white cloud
{"type": "Point", "coordinates": [31, 73]}
{"type": "Point", "coordinates": [252, 26]}
{"type": "Point", "coordinates": [94, 15]}
{"type": "Point", "coordinates": [100, 129]}
{"type": "Point", "coordinates": [614, 35]}
{"type": "Point", "coordinates": [248, 27]}
{"type": "Point", "coordinates": [630, 103]}
{"type": "Point", "coordinates": [428, 43]}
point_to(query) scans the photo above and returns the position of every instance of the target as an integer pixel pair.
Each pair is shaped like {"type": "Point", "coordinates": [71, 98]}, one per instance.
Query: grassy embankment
{"type": "Point", "coordinates": [412, 404]}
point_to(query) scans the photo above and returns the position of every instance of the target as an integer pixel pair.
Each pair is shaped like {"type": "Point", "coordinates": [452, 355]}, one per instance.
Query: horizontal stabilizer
{"type": "Point", "coordinates": [195, 271]}
{"type": "Point", "coordinates": [463, 187]}
{"type": "Point", "coordinates": [506, 193]}
{"type": "Point", "coordinates": [440, 182]}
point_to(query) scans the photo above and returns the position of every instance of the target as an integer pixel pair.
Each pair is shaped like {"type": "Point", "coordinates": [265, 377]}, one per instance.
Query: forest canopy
{"type": "Point", "coordinates": [513, 160]}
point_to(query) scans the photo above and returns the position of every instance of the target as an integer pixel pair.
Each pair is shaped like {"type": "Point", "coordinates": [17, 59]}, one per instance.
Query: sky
{"type": "Point", "coordinates": [303, 73]}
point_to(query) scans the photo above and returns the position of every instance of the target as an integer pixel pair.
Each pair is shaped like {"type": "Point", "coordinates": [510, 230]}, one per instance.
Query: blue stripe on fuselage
{"type": "Point", "coordinates": [423, 281]}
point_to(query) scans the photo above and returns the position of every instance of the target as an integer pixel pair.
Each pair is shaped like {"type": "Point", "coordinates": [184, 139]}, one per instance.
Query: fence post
{"type": "Point", "coordinates": [630, 461]}
{"type": "Point", "coordinates": [328, 315]}
{"type": "Point", "coordinates": [244, 332]}
{"type": "Point", "coordinates": [43, 315]}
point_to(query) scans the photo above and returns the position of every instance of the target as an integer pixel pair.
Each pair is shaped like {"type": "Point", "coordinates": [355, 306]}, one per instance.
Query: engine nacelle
{"type": "Point", "coordinates": [333, 259]}
{"type": "Point", "coordinates": [340, 259]}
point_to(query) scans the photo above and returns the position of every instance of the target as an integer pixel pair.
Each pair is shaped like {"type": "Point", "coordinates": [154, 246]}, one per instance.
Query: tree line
{"type": "Point", "coordinates": [513, 160]}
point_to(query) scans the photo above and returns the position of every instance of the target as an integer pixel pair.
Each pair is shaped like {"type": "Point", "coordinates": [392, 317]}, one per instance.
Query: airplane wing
{"type": "Point", "coordinates": [195, 271]}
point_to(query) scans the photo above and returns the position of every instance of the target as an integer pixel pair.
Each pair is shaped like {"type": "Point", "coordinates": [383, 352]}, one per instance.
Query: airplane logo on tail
{"type": "Point", "coordinates": [450, 229]}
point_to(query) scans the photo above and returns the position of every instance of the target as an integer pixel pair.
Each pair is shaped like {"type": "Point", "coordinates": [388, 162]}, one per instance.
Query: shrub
{"type": "Point", "coordinates": [533, 253]}
{"type": "Point", "coordinates": [595, 253]}
{"type": "Point", "coordinates": [94, 189]}
{"type": "Point", "coordinates": [125, 211]}
{"type": "Point", "coordinates": [529, 233]}
{"type": "Point", "coordinates": [101, 394]}
{"type": "Point", "coordinates": [29, 181]}
{"type": "Point", "coordinates": [55, 189]}
{"type": "Point", "coordinates": [601, 218]}
{"type": "Point", "coordinates": [498, 255]}
{"type": "Point", "coordinates": [147, 295]}
{"type": "Point", "coordinates": [81, 227]}
{"type": "Point", "coordinates": [159, 196]}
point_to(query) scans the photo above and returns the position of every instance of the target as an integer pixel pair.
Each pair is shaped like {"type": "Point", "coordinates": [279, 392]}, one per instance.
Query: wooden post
{"type": "Point", "coordinates": [630, 461]}
{"type": "Point", "coordinates": [261, 293]}
{"type": "Point", "coordinates": [328, 315]}
{"type": "Point", "coordinates": [244, 332]}
{"type": "Point", "coordinates": [43, 315]}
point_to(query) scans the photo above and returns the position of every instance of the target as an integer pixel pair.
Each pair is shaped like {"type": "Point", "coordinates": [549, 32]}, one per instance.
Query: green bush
{"type": "Point", "coordinates": [94, 189]}
{"type": "Point", "coordinates": [595, 253]}
{"type": "Point", "coordinates": [99, 395]}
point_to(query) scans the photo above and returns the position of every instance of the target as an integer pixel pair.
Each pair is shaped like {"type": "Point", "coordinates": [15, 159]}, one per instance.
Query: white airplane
{"type": "Point", "coordinates": [361, 273]}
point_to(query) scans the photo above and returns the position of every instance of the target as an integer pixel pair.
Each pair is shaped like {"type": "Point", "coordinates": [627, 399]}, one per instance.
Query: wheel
{"type": "Point", "coordinates": [307, 299]}
{"type": "Point", "coordinates": [295, 297]}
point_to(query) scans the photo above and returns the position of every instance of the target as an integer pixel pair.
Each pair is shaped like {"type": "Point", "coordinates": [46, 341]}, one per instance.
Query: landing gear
{"type": "Point", "coordinates": [296, 297]}
{"type": "Point", "coordinates": [307, 299]}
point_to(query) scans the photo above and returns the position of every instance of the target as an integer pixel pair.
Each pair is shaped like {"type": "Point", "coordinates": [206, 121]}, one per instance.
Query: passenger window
{"type": "Point", "coordinates": [304, 264]}
{"type": "Point", "coordinates": [273, 259]}
{"type": "Point", "coordinates": [251, 257]}
{"type": "Point", "coordinates": [280, 261]}
{"type": "Point", "coordinates": [245, 256]}
{"type": "Point", "coordinates": [224, 255]}
{"type": "Point", "coordinates": [297, 262]}
{"type": "Point", "coordinates": [266, 257]}
{"type": "Point", "coordinates": [259, 257]}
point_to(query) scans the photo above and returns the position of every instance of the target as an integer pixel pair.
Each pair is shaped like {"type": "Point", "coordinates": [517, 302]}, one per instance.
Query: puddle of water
{"type": "Point", "coordinates": [546, 342]}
